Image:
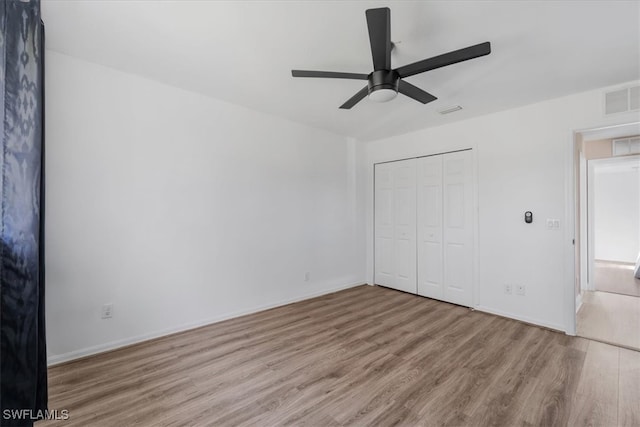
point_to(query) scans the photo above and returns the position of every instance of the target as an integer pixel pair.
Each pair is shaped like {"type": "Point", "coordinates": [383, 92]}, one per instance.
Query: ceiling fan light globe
{"type": "Point", "coordinates": [382, 95]}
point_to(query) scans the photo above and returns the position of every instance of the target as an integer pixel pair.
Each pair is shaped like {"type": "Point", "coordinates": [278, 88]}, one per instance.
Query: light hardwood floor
{"type": "Point", "coordinates": [610, 318]}
{"type": "Point", "coordinates": [363, 356]}
{"type": "Point", "coordinates": [616, 277]}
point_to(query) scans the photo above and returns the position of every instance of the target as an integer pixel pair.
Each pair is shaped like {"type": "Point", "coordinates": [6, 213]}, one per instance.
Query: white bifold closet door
{"type": "Point", "coordinates": [424, 226]}
{"type": "Point", "coordinates": [395, 225]}
{"type": "Point", "coordinates": [445, 227]}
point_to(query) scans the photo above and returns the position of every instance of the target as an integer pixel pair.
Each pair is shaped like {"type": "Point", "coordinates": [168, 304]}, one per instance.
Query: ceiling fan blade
{"type": "Point", "coordinates": [415, 92]}
{"type": "Point", "coordinates": [355, 98]}
{"type": "Point", "coordinates": [379, 24]}
{"type": "Point", "coordinates": [328, 74]}
{"type": "Point", "coordinates": [445, 59]}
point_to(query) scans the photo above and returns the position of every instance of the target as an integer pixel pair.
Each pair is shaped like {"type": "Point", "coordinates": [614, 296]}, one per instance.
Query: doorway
{"type": "Point", "coordinates": [607, 239]}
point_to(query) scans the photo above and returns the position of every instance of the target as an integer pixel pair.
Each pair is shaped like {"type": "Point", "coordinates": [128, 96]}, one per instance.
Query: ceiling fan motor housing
{"type": "Point", "coordinates": [383, 79]}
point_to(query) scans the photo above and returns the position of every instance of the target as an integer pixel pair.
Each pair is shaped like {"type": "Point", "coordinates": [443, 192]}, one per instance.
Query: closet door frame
{"type": "Point", "coordinates": [475, 297]}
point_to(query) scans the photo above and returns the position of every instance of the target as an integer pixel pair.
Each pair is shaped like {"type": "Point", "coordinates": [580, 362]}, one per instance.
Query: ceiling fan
{"type": "Point", "coordinates": [384, 83]}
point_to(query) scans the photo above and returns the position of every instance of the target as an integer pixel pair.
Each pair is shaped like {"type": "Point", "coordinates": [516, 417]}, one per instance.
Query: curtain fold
{"type": "Point", "coordinates": [23, 370]}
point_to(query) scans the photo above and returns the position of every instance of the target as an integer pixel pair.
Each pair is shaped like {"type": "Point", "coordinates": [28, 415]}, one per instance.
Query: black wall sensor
{"type": "Point", "coordinates": [528, 217]}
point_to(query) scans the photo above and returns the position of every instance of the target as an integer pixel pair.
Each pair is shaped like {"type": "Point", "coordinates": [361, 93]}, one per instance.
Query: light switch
{"type": "Point", "coordinates": [556, 223]}
{"type": "Point", "coordinates": [549, 223]}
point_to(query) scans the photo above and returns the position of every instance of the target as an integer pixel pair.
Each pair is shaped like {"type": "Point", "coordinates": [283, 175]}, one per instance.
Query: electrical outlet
{"type": "Point", "coordinates": [521, 289]}
{"type": "Point", "coordinates": [307, 276]}
{"type": "Point", "coordinates": [508, 289]}
{"type": "Point", "coordinates": [107, 311]}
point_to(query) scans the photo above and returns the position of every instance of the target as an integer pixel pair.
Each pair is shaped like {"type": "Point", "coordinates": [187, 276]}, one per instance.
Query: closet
{"type": "Point", "coordinates": [424, 226]}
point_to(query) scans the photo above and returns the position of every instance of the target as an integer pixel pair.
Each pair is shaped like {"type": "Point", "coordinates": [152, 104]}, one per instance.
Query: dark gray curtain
{"type": "Point", "coordinates": [23, 371]}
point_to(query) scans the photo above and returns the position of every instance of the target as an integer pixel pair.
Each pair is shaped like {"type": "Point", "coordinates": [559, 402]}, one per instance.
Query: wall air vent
{"type": "Point", "coordinates": [622, 100]}
{"type": "Point", "coordinates": [450, 109]}
{"type": "Point", "coordinates": [625, 146]}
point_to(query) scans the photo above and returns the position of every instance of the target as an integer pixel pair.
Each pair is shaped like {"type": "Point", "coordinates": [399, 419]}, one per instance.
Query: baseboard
{"type": "Point", "coordinates": [524, 319]}
{"type": "Point", "coordinates": [113, 345]}
{"type": "Point", "coordinates": [578, 302]}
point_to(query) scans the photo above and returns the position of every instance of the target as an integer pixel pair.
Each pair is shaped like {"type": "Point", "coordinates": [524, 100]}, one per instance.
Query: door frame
{"type": "Point", "coordinates": [590, 236]}
{"type": "Point", "coordinates": [583, 250]}
{"type": "Point", "coordinates": [571, 250]}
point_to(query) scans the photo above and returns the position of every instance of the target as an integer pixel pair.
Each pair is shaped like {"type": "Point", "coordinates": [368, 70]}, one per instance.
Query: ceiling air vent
{"type": "Point", "coordinates": [622, 100]}
{"type": "Point", "coordinates": [450, 109]}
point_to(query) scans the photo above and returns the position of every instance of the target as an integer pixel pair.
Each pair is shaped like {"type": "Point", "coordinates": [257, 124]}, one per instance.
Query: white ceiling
{"type": "Point", "coordinates": [243, 52]}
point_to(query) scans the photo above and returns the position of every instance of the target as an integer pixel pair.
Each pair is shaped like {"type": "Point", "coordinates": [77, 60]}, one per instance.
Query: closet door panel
{"type": "Point", "coordinates": [429, 221]}
{"type": "Point", "coordinates": [404, 180]}
{"type": "Point", "coordinates": [384, 256]}
{"type": "Point", "coordinates": [395, 225]}
{"type": "Point", "coordinates": [458, 227]}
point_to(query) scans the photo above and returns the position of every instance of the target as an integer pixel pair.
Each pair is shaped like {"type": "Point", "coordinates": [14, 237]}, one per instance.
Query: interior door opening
{"type": "Point", "coordinates": [607, 237]}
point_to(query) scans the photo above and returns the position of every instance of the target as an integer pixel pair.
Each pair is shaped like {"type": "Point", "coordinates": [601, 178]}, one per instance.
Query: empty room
{"type": "Point", "coordinates": [319, 213]}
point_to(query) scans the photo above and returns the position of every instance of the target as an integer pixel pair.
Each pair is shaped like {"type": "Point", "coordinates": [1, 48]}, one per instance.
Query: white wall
{"type": "Point", "coordinates": [180, 209]}
{"type": "Point", "coordinates": [524, 162]}
{"type": "Point", "coordinates": [617, 212]}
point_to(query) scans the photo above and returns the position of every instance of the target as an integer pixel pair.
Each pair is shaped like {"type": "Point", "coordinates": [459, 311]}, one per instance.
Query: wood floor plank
{"type": "Point", "coordinates": [596, 397]}
{"type": "Point", "coordinates": [362, 356]}
{"type": "Point", "coordinates": [629, 388]}
{"type": "Point", "coordinates": [557, 386]}
{"type": "Point", "coordinates": [512, 383]}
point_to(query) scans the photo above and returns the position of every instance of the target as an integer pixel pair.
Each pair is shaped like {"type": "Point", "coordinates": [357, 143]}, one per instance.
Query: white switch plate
{"type": "Point", "coordinates": [107, 311]}
{"type": "Point", "coordinates": [521, 289]}
{"type": "Point", "coordinates": [553, 224]}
